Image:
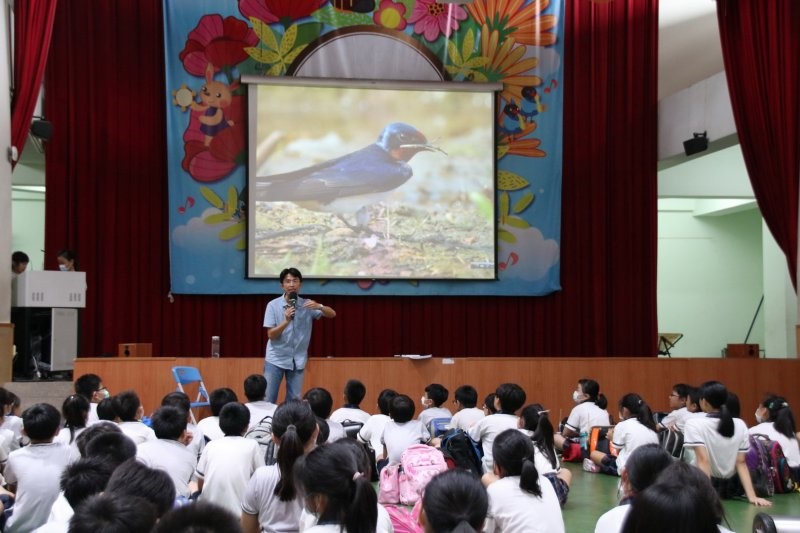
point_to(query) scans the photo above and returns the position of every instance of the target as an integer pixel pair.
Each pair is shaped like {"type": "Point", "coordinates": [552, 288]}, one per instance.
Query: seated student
{"type": "Point", "coordinates": [509, 397]}
{"type": "Point", "coordinates": [91, 387]}
{"type": "Point", "coordinates": [354, 392]}
{"type": "Point", "coordinates": [113, 513]}
{"type": "Point", "coordinates": [435, 395]}
{"type": "Point", "coordinates": [135, 479]}
{"type": "Point", "coordinates": [271, 501]}
{"type": "Point", "coordinates": [11, 422]}
{"type": "Point", "coordinates": [776, 421]}
{"type": "Point", "coordinates": [199, 517]}
{"type": "Point", "coordinates": [636, 428]}
{"type": "Point", "coordinates": [336, 491]}
{"type": "Point", "coordinates": [465, 399]}
{"type": "Point", "coordinates": [75, 410]}
{"type": "Point", "coordinates": [372, 431]}
{"type": "Point", "coordinates": [720, 443]}
{"type": "Point", "coordinates": [640, 471]}
{"type": "Point", "coordinates": [106, 440]}
{"type": "Point", "coordinates": [401, 431]}
{"type": "Point", "coordinates": [677, 404]}
{"type": "Point", "coordinates": [168, 452]}
{"type": "Point", "coordinates": [321, 403]}
{"type": "Point", "coordinates": [218, 399]}
{"type": "Point", "coordinates": [590, 412]}
{"type": "Point", "coordinates": [520, 501]}
{"type": "Point", "coordinates": [105, 411]}
{"type": "Point", "coordinates": [534, 418]}
{"type": "Point", "coordinates": [255, 390]}
{"type": "Point", "coordinates": [33, 472]}
{"type": "Point", "coordinates": [226, 465]}
{"type": "Point", "coordinates": [14, 405]}
{"type": "Point", "coordinates": [8, 439]}
{"type": "Point", "coordinates": [130, 412]}
{"type": "Point", "coordinates": [181, 401]}
{"type": "Point", "coordinates": [488, 405]}
{"type": "Point", "coordinates": [454, 500]}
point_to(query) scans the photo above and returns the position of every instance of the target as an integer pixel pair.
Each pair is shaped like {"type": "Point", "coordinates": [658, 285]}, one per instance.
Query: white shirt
{"type": "Point", "coordinates": [336, 431]}
{"type": "Point", "coordinates": [36, 469]}
{"type": "Point", "coordinates": [198, 441]}
{"type": "Point", "coordinates": [173, 457]}
{"type": "Point", "coordinates": [258, 410]}
{"type": "Point", "coordinates": [372, 432]}
{"type": "Point", "coordinates": [210, 428]}
{"type": "Point", "coordinates": [722, 451]}
{"type": "Point", "coordinates": [676, 419]}
{"type": "Point", "coordinates": [512, 510]}
{"type": "Point", "coordinates": [353, 414]}
{"type": "Point", "coordinates": [629, 435]}
{"type": "Point", "coordinates": [260, 500]}
{"type": "Point", "coordinates": [486, 429]}
{"type": "Point", "coordinates": [226, 466]}
{"type": "Point", "coordinates": [465, 418]}
{"type": "Point", "coordinates": [613, 520]}
{"type": "Point", "coordinates": [790, 447]}
{"type": "Point", "coordinates": [93, 418]}
{"type": "Point", "coordinates": [14, 423]}
{"type": "Point", "coordinates": [397, 437]}
{"type": "Point", "coordinates": [384, 524]}
{"type": "Point", "coordinates": [426, 415]}
{"type": "Point", "coordinates": [584, 417]}
{"type": "Point", "coordinates": [542, 462]}
{"type": "Point", "coordinates": [138, 432]}
{"type": "Point", "coordinates": [6, 444]}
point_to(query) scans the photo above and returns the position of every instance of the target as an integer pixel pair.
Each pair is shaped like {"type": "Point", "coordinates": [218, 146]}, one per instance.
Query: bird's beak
{"type": "Point", "coordinates": [427, 147]}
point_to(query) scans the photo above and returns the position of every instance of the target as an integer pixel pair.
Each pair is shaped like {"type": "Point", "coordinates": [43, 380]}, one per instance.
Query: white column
{"type": "Point", "coordinates": [5, 170]}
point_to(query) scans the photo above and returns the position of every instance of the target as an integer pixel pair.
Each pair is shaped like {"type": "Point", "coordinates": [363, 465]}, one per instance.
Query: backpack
{"type": "Point", "coordinates": [438, 426]}
{"type": "Point", "coordinates": [759, 463]}
{"type": "Point", "coordinates": [389, 484]}
{"type": "Point", "coordinates": [262, 433]}
{"type": "Point", "coordinates": [782, 479]}
{"type": "Point", "coordinates": [672, 441]}
{"type": "Point", "coordinates": [352, 427]}
{"type": "Point", "coordinates": [460, 451]}
{"type": "Point", "coordinates": [403, 520]}
{"type": "Point", "coordinates": [419, 463]}
{"type": "Point", "coordinates": [599, 441]}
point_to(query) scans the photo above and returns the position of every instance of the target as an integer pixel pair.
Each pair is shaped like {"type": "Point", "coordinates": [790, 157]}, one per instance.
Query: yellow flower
{"type": "Point", "coordinates": [525, 24]}
{"type": "Point", "coordinates": [507, 64]}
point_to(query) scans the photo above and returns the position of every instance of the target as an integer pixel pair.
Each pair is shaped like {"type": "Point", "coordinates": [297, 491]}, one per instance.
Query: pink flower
{"type": "Point", "coordinates": [431, 19]}
{"type": "Point", "coordinates": [216, 41]}
{"type": "Point", "coordinates": [390, 15]}
{"type": "Point", "coordinates": [270, 11]}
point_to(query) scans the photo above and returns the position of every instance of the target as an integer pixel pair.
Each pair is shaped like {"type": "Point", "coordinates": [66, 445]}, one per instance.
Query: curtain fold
{"type": "Point", "coordinates": [107, 199]}
{"type": "Point", "coordinates": [761, 50]}
{"type": "Point", "coordinates": [33, 28]}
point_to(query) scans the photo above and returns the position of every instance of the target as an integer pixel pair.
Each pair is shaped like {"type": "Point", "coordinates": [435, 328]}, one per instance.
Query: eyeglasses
{"type": "Point", "coordinates": [674, 395]}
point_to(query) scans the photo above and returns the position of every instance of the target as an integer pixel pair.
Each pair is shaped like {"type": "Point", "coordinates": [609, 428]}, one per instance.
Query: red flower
{"type": "Point", "coordinates": [270, 11]}
{"type": "Point", "coordinates": [216, 41]}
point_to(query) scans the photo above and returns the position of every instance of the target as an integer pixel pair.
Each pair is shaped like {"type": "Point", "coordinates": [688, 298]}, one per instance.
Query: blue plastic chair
{"type": "Point", "coordinates": [186, 375]}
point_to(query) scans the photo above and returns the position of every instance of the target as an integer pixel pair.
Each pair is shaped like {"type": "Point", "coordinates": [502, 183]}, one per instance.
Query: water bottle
{"type": "Point", "coordinates": [215, 346]}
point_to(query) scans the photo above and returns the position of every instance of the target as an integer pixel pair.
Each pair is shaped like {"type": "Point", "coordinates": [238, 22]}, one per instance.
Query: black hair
{"type": "Point", "coordinates": [488, 403]}
{"type": "Point", "coordinates": [513, 453]}
{"type": "Point", "coordinates": [645, 464]}
{"type": "Point", "coordinates": [93, 431]}
{"type": "Point", "coordinates": [638, 409]}
{"type": "Point", "coordinates": [69, 255]}
{"type": "Point", "coordinates": [234, 419]}
{"type": "Point", "coordinates": [401, 409]}
{"type": "Point", "coordinates": [12, 400]}
{"type": "Point", "coordinates": [41, 421]}
{"type": "Point", "coordinates": [333, 471]}
{"type": "Point", "coordinates": [780, 415]}
{"type": "Point", "coordinates": [219, 397]}
{"type": "Point", "coordinates": [693, 397]}
{"type": "Point", "coordinates": [113, 513]}
{"type": "Point", "coordinates": [168, 422]}
{"type": "Point", "coordinates": [75, 410]}
{"type": "Point", "coordinates": [87, 384]}
{"type": "Point", "coordinates": [365, 464]}
{"type": "Point", "coordinates": [320, 400]}
{"type": "Point", "coordinates": [85, 477]}
{"type": "Point", "coordinates": [466, 395]}
{"type": "Point", "coordinates": [511, 397]}
{"type": "Point", "coordinates": [255, 387]}
{"type": "Point", "coordinates": [534, 418]}
{"type": "Point", "coordinates": [733, 404]}
{"type": "Point", "coordinates": [455, 501]}
{"type": "Point", "coordinates": [294, 273]}
{"type": "Point", "coordinates": [134, 478]}
{"type": "Point", "coordinates": [126, 405]}
{"type": "Point", "coordinates": [293, 424]}
{"type": "Point", "coordinates": [105, 410]}
{"type": "Point", "coordinates": [385, 400]}
{"type": "Point", "coordinates": [324, 430]}
{"type": "Point", "coordinates": [354, 391]}
{"type": "Point", "coordinates": [20, 257]}
{"type": "Point", "coordinates": [177, 399]}
{"type": "Point", "coordinates": [716, 395]}
{"type": "Point", "coordinates": [199, 517]}
{"type": "Point", "coordinates": [5, 398]}
{"type": "Point", "coordinates": [591, 388]}
{"type": "Point", "coordinates": [682, 390]}
{"type": "Point", "coordinates": [116, 447]}
{"type": "Point", "coordinates": [437, 393]}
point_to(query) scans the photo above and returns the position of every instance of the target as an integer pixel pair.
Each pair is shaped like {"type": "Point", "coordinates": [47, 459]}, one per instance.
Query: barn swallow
{"type": "Point", "coordinates": [531, 104]}
{"type": "Point", "coordinates": [349, 183]}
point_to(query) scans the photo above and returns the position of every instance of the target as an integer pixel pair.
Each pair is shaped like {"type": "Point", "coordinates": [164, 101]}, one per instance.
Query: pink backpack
{"type": "Point", "coordinates": [418, 465]}
{"type": "Point", "coordinates": [389, 484]}
{"type": "Point", "coordinates": [403, 520]}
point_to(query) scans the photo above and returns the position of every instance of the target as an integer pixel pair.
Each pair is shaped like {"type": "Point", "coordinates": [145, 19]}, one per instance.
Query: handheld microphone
{"type": "Point", "coordinates": [293, 301]}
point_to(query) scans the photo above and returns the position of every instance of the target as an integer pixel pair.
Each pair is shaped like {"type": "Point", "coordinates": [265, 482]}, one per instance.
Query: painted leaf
{"type": "Point", "coordinates": [503, 204]}
{"type": "Point", "coordinates": [264, 33]}
{"type": "Point", "coordinates": [506, 236]}
{"type": "Point", "coordinates": [212, 197]}
{"type": "Point", "coordinates": [509, 181]}
{"type": "Point", "coordinates": [232, 231]}
{"type": "Point", "coordinates": [233, 200]}
{"type": "Point", "coordinates": [523, 203]}
{"type": "Point", "coordinates": [216, 218]}
{"type": "Point", "coordinates": [452, 52]}
{"type": "Point", "coordinates": [468, 45]}
{"type": "Point", "coordinates": [289, 38]}
{"type": "Point", "coordinates": [516, 222]}
{"type": "Point", "coordinates": [262, 55]}
{"type": "Point", "coordinates": [502, 149]}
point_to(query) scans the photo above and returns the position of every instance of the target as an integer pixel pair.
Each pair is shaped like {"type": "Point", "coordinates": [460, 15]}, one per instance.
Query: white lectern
{"type": "Point", "coordinates": [45, 315]}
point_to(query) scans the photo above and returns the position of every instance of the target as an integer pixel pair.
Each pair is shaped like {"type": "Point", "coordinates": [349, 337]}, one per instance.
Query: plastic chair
{"type": "Point", "coordinates": [186, 375]}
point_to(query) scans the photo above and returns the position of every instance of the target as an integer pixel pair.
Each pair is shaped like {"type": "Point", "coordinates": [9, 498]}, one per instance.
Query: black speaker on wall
{"type": "Point", "coordinates": [696, 144]}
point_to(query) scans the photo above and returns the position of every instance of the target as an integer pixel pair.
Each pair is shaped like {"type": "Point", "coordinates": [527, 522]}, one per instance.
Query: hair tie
{"type": "Point", "coordinates": [358, 475]}
{"type": "Point", "coordinates": [785, 404]}
{"type": "Point", "coordinates": [540, 413]}
{"type": "Point", "coordinates": [291, 427]}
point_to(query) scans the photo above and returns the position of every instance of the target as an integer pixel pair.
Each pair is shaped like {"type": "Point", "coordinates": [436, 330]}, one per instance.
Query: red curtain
{"type": "Point", "coordinates": [33, 27]}
{"type": "Point", "coordinates": [107, 199]}
{"type": "Point", "coordinates": [761, 49]}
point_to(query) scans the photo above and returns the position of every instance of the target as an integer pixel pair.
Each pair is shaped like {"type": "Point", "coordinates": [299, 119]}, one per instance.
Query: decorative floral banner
{"type": "Point", "coordinates": [210, 44]}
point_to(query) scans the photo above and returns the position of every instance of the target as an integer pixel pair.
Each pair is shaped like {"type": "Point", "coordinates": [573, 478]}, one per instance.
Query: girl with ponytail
{"type": "Point", "coordinates": [720, 443]}
{"type": "Point", "coordinates": [518, 502]}
{"type": "Point", "coordinates": [535, 418]}
{"type": "Point", "coordinates": [454, 502]}
{"type": "Point", "coordinates": [589, 411]}
{"type": "Point", "coordinates": [776, 421]}
{"type": "Point", "coordinates": [271, 501]}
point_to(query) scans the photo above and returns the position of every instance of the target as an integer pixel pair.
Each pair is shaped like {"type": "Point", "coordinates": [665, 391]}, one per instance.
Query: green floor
{"type": "Point", "coordinates": [591, 495]}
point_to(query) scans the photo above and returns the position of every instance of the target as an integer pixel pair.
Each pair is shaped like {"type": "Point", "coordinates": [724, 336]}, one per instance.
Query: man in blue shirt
{"type": "Point", "coordinates": [288, 320]}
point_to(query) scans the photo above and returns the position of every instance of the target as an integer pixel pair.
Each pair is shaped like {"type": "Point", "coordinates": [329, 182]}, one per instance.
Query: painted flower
{"type": "Point", "coordinates": [218, 41]}
{"type": "Point", "coordinates": [507, 63]}
{"type": "Point", "coordinates": [431, 19]}
{"type": "Point", "coordinates": [390, 15]}
{"type": "Point", "coordinates": [215, 160]}
{"type": "Point", "coordinates": [284, 11]}
{"type": "Point", "coordinates": [525, 23]}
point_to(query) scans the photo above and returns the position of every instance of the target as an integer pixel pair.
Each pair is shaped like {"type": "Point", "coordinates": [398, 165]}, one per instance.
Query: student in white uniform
{"type": "Point", "coordinates": [720, 443]}
{"type": "Point", "coordinates": [636, 428]}
{"type": "Point", "coordinates": [198, 516]}
{"type": "Point", "coordinates": [255, 390]}
{"type": "Point", "coordinates": [520, 500]}
{"type": "Point", "coordinates": [465, 399]}
{"type": "Point", "coordinates": [181, 401]}
{"type": "Point", "coordinates": [677, 404]}
{"type": "Point", "coordinates": [354, 392]}
{"type": "Point", "coordinates": [130, 412]}
{"type": "Point", "coordinates": [432, 401]}
{"type": "Point", "coordinates": [776, 421]}
{"type": "Point", "coordinates": [134, 479]}
{"type": "Point", "coordinates": [590, 411]}
{"type": "Point", "coordinates": [337, 491]}
{"type": "Point", "coordinates": [372, 430]}
{"type": "Point", "coordinates": [168, 452]}
{"type": "Point", "coordinates": [401, 431]}
{"type": "Point", "coordinates": [218, 398]}
{"type": "Point", "coordinates": [91, 387]}
{"type": "Point", "coordinates": [454, 501]}
{"type": "Point", "coordinates": [508, 399]}
{"type": "Point", "coordinates": [321, 403]}
{"type": "Point", "coordinates": [271, 501]}
{"type": "Point", "coordinates": [75, 411]}
{"type": "Point", "coordinates": [535, 419]}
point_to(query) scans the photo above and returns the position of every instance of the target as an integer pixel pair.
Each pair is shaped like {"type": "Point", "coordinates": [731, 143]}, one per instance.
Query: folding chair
{"type": "Point", "coordinates": [186, 375]}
